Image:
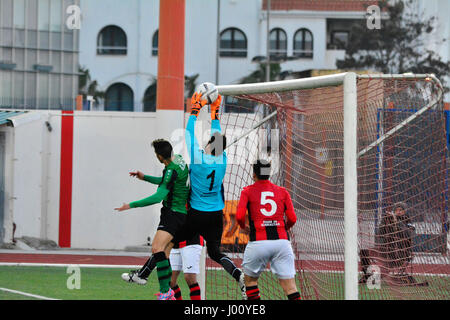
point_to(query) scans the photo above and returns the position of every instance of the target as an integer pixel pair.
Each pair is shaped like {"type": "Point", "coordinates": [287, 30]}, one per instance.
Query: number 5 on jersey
{"type": "Point", "coordinates": [265, 200]}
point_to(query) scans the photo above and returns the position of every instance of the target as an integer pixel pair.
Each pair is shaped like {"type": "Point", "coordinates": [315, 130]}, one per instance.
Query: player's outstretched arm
{"type": "Point", "coordinates": [141, 176]}
{"type": "Point", "coordinates": [215, 122]}
{"type": "Point", "coordinates": [191, 141]}
{"type": "Point", "coordinates": [160, 194]}
{"type": "Point", "coordinates": [157, 197]}
{"type": "Point", "coordinates": [153, 180]}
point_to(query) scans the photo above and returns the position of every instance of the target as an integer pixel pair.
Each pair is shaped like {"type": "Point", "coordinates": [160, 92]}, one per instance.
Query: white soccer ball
{"type": "Point", "coordinates": [208, 91]}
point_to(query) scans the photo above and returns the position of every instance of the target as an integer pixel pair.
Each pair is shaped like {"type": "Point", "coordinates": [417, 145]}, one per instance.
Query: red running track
{"type": "Point", "coordinates": [306, 265]}
{"type": "Point", "coordinates": [71, 259]}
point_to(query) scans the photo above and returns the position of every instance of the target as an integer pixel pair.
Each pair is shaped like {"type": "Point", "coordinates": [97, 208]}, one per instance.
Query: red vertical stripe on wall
{"type": "Point", "coordinates": [65, 189]}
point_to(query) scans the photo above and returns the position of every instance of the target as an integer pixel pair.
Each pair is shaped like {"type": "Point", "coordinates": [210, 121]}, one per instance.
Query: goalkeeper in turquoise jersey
{"type": "Point", "coordinates": [206, 203]}
{"type": "Point", "coordinates": [173, 191]}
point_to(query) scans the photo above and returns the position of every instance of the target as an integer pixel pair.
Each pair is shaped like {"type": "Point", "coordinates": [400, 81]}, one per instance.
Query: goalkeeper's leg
{"type": "Point", "coordinates": [211, 228]}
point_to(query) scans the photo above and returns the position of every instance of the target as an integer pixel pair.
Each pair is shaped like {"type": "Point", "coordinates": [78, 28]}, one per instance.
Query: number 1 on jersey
{"type": "Point", "coordinates": [211, 176]}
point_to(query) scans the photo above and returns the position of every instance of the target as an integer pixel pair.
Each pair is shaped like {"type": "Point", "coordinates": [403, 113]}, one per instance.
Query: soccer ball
{"type": "Point", "coordinates": [208, 91]}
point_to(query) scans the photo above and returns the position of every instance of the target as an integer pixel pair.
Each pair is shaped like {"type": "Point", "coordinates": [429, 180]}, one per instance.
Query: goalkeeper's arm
{"type": "Point", "coordinates": [215, 122]}
{"type": "Point", "coordinates": [191, 141]}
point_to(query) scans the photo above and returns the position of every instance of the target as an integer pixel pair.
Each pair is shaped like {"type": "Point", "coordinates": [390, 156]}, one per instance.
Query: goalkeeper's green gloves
{"type": "Point", "coordinates": [215, 106]}
{"type": "Point", "coordinates": [197, 103]}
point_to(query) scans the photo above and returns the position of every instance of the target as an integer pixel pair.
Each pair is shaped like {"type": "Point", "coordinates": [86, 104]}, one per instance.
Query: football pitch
{"type": "Point", "coordinates": [38, 282]}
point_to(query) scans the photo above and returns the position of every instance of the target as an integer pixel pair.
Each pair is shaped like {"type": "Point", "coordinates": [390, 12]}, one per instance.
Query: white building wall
{"type": "Point", "coordinates": [23, 183]}
{"type": "Point", "coordinates": [106, 147]}
{"type": "Point", "coordinates": [52, 165]}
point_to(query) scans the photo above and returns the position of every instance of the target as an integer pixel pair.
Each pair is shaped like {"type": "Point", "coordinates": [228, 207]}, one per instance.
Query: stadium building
{"type": "Point", "coordinates": [38, 55]}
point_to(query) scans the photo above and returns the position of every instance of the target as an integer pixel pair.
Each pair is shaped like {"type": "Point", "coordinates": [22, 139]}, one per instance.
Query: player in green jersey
{"type": "Point", "coordinates": [173, 191]}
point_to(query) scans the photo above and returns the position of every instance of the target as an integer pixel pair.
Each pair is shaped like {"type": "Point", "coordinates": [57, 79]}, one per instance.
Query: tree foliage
{"type": "Point", "coordinates": [399, 46]}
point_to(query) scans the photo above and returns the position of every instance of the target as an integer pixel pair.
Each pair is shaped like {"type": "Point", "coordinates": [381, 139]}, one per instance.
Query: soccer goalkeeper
{"type": "Point", "coordinates": [207, 170]}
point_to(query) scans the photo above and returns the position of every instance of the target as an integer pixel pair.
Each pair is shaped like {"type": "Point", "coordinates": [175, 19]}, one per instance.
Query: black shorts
{"type": "Point", "coordinates": [171, 221]}
{"type": "Point", "coordinates": [207, 224]}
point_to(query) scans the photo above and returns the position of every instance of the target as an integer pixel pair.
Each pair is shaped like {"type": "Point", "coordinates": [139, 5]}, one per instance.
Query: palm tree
{"type": "Point", "coordinates": [87, 87]}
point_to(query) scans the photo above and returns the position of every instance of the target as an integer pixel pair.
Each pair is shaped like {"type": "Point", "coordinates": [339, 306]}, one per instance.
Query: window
{"type": "Point", "coordinates": [19, 14]}
{"type": "Point", "coordinates": [303, 43]}
{"type": "Point", "coordinates": [233, 43]}
{"type": "Point", "coordinates": [278, 43]}
{"type": "Point", "coordinates": [56, 16]}
{"type": "Point", "coordinates": [235, 105]}
{"type": "Point", "coordinates": [43, 15]}
{"type": "Point", "coordinates": [112, 40]}
{"type": "Point", "coordinates": [150, 98]}
{"type": "Point", "coordinates": [155, 43]}
{"type": "Point", "coordinates": [339, 39]}
{"type": "Point", "coordinates": [119, 97]}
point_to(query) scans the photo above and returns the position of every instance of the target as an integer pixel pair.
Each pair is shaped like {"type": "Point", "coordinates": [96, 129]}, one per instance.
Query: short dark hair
{"type": "Point", "coordinates": [218, 143]}
{"type": "Point", "coordinates": [262, 169]}
{"type": "Point", "coordinates": [163, 148]}
{"type": "Point", "coordinates": [400, 205]}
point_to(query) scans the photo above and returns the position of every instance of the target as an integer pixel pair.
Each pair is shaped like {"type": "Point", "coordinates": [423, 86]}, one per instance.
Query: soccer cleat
{"type": "Point", "coordinates": [133, 276]}
{"type": "Point", "coordinates": [169, 295]}
{"type": "Point", "coordinates": [242, 286]}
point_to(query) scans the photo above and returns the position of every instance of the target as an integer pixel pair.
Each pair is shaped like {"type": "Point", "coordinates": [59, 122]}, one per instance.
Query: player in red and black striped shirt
{"type": "Point", "coordinates": [270, 215]}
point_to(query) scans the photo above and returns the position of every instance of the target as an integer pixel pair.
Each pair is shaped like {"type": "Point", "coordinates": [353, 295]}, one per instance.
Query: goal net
{"type": "Point", "coordinates": [399, 159]}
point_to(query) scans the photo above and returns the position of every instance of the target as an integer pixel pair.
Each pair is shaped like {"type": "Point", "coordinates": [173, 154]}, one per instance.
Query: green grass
{"type": "Point", "coordinates": [95, 284]}
{"type": "Point", "coordinates": [106, 284]}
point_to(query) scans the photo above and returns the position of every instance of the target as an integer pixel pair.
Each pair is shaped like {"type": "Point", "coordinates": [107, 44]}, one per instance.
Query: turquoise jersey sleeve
{"type": "Point", "coordinates": [191, 141]}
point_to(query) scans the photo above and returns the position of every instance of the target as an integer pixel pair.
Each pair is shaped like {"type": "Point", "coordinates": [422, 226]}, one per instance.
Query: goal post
{"type": "Point", "coordinates": [348, 80]}
{"type": "Point", "coordinates": [342, 168]}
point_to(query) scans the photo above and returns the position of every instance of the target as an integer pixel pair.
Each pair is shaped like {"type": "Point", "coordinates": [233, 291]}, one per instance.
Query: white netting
{"type": "Point", "coordinates": [304, 140]}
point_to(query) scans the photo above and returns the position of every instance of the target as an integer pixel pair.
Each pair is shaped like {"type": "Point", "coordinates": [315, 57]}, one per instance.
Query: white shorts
{"type": "Point", "coordinates": [186, 259]}
{"type": "Point", "coordinates": [276, 252]}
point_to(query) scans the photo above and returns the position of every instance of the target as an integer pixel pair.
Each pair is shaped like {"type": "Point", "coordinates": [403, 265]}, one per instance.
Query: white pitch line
{"type": "Point", "coordinates": [27, 294]}
{"type": "Point", "coordinates": [30, 264]}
